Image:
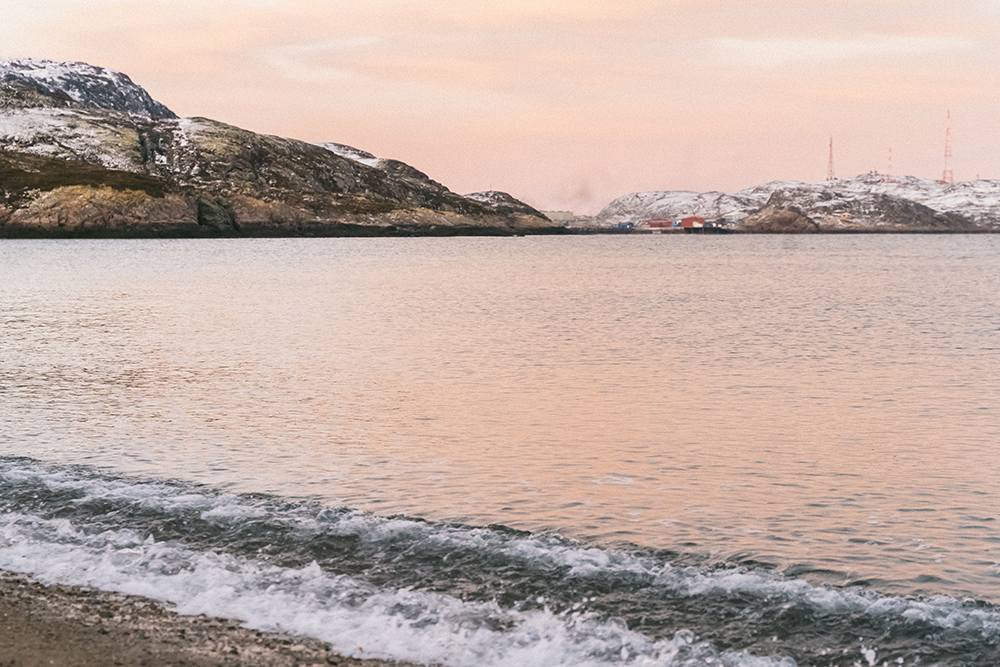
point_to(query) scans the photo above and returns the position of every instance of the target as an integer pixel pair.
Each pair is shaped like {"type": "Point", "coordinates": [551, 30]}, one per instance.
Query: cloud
{"type": "Point", "coordinates": [298, 61]}
{"type": "Point", "coordinates": [779, 52]}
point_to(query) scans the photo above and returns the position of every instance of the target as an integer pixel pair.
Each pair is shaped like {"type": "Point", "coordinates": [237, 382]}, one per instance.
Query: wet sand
{"type": "Point", "coordinates": [70, 626]}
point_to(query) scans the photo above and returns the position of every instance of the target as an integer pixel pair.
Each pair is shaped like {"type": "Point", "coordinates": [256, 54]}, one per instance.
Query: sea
{"type": "Point", "coordinates": [648, 450]}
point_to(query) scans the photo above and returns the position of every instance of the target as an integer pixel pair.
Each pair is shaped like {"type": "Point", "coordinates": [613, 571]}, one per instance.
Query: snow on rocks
{"type": "Point", "coordinates": [89, 86]}
{"type": "Point", "coordinates": [866, 201]}
{"type": "Point", "coordinates": [674, 205]}
{"type": "Point", "coordinates": [502, 201]}
{"type": "Point", "coordinates": [72, 134]}
{"type": "Point", "coordinates": [351, 153]}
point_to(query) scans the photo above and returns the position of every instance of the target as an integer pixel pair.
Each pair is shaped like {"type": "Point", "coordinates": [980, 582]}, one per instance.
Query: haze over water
{"type": "Point", "coordinates": [825, 406]}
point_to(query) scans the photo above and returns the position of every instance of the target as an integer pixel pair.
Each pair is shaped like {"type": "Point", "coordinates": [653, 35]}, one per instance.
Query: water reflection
{"type": "Point", "coordinates": [826, 405]}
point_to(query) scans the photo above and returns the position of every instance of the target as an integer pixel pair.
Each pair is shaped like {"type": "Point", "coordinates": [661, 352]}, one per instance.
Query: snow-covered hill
{"type": "Point", "coordinates": [673, 205]}
{"type": "Point", "coordinates": [502, 201]}
{"type": "Point", "coordinates": [88, 86]}
{"type": "Point", "coordinates": [72, 113]}
{"type": "Point", "coordinates": [866, 201]}
{"type": "Point", "coordinates": [977, 200]}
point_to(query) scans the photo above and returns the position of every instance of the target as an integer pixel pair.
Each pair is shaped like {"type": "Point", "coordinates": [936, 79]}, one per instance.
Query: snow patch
{"type": "Point", "coordinates": [90, 86]}
{"type": "Point", "coordinates": [351, 153]}
{"type": "Point", "coordinates": [977, 200]}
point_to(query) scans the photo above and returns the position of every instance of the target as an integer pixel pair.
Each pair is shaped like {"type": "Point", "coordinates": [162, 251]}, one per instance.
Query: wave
{"type": "Point", "coordinates": [406, 589]}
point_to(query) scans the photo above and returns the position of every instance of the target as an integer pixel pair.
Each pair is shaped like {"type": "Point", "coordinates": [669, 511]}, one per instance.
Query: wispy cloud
{"type": "Point", "coordinates": [781, 51]}
{"type": "Point", "coordinates": [311, 62]}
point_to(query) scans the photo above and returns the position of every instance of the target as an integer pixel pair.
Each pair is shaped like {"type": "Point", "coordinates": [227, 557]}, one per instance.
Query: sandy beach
{"type": "Point", "coordinates": [73, 626]}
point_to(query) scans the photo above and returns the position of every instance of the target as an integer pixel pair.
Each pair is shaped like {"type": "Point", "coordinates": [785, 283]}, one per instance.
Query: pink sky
{"type": "Point", "coordinates": [566, 104]}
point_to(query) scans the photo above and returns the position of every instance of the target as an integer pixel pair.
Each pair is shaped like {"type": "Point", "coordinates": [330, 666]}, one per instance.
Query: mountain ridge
{"type": "Point", "coordinates": [868, 202]}
{"type": "Point", "coordinates": [82, 84]}
{"type": "Point", "coordinates": [236, 182]}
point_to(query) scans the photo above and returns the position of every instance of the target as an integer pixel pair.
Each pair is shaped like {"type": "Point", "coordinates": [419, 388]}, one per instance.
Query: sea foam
{"type": "Point", "coordinates": [41, 536]}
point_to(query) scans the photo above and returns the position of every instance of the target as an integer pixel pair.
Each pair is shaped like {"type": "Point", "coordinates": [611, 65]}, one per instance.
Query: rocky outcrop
{"type": "Point", "coordinates": [51, 197]}
{"type": "Point", "coordinates": [866, 211]}
{"type": "Point", "coordinates": [501, 201]}
{"type": "Point", "coordinates": [777, 220]}
{"type": "Point", "coordinates": [22, 94]}
{"type": "Point", "coordinates": [977, 202]}
{"type": "Point", "coordinates": [84, 211]}
{"type": "Point", "coordinates": [80, 84]}
{"type": "Point", "coordinates": [97, 128]}
{"type": "Point", "coordinates": [674, 205]}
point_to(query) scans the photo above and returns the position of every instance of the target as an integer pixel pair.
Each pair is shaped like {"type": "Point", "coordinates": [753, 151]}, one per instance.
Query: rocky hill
{"type": "Point", "coordinates": [856, 205]}
{"type": "Point", "coordinates": [502, 201]}
{"type": "Point", "coordinates": [72, 84]}
{"type": "Point", "coordinates": [864, 203]}
{"type": "Point", "coordinates": [69, 134]}
{"type": "Point", "coordinates": [673, 205]}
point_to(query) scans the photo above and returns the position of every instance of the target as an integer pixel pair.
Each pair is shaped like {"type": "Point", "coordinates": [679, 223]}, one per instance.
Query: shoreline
{"type": "Point", "coordinates": [741, 232]}
{"type": "Point", "coordinates": [361, 231]}
{"type": "Point", "coordinates": [76, 626]}
{"type": "Point", "coordinates": [333, 231]}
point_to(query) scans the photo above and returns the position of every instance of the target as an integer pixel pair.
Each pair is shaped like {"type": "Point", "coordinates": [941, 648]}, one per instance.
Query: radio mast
{"type": "Point", "coordinates": [947, 176]}
{"type": "Point", "coordinates": [888, 176]}
{"type": "Point", "coordinates": [829, 168]}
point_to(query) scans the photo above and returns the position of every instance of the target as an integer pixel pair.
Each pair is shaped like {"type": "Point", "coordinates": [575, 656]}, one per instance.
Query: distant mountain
{"type": "Point", "coordinates": [209, 178]}
{"type": "Point", "coordinates": [866, 202]}
{"type": "Point", "coordinates": [977, 201]}
{"type": "Point", "coordinates": [862, 203]}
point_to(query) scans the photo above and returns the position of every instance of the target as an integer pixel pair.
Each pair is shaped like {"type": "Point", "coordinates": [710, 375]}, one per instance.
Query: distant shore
{"type": "Point", "coordinates": [711, 231]}
{"type": "Point", "coordinates": [330, 230]}
{"type": "Point", "coordinates": [362, 231]}
{"type": "Point", "coordinates": [81, 627]}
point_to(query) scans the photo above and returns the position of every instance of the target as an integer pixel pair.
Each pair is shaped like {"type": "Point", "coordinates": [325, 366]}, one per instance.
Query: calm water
{"type": "Point", "coordinates": [621, 449]}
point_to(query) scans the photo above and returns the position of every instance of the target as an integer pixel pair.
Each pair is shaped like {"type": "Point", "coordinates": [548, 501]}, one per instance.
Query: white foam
{"type": "Point", "coordinates": [356, 618]}
{"type": "Point", "coordinates": [543, 553]}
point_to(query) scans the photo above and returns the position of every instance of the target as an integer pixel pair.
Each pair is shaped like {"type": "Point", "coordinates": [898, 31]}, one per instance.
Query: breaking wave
{"type": "Point", "coordinates": [406, 589]}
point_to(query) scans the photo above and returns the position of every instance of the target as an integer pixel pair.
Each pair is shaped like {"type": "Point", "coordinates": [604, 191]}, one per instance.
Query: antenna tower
{"type": "Point", "coordinates": [888, 176]}
{"type": "Point", "coordinates": [829, 169]}
{"type": "Point", "coordinates": [947, 176]}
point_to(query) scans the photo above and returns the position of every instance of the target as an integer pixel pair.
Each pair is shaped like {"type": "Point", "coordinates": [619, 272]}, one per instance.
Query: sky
{"type": "Point", "coordinates": [567, 104]}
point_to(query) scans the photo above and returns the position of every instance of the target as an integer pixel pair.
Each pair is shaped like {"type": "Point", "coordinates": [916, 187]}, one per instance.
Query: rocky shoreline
{"type": "Point", "coordinates": [75, 626]}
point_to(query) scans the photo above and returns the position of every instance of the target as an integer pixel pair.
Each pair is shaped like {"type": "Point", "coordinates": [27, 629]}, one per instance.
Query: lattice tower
{"type": "Point", "coordinates": [829, 168]}
{"type": "Point", "coordinates": [947, 176]}
{"type": "Point", "coordinates": [889, 178]}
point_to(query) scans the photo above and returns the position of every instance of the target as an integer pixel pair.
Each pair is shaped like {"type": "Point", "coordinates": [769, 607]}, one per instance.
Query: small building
{"type": "Point", "coordinates": [692, 222]}
{"type": "Point", "coordinates": [625, 225]}
{"type": "Point", "coordinates": [658, 223]}
{"type": "Point", "coordinates": [734, 217]}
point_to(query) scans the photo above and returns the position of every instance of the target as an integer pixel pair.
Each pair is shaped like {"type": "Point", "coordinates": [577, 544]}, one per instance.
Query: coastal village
{"type": "Point", "coordinates": [691, 223]}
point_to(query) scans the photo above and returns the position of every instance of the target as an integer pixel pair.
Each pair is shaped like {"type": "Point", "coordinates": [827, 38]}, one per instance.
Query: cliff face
{"type": "Point", "coordinates": [235, 181]}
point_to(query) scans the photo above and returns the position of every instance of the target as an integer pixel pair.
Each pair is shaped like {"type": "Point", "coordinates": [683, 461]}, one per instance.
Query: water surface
{"type": "Point", "coordinates": [818, 412]}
